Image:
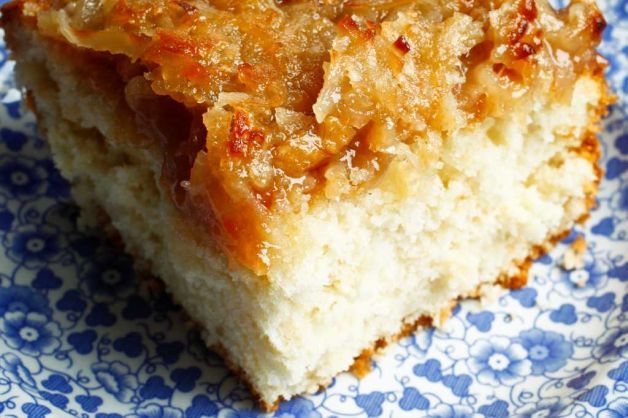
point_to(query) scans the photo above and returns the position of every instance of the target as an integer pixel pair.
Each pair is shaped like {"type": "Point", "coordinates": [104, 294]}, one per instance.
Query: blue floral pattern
{"type": "Point", "coordinates": [547, 351]}
{"type": "Point", "coordinates": [108, 277]}
{"type": "Point", "coordinates": [499, 361]}
{"type": "Point", "coordinates": [15, 370]}
{"type": "Point", "coordinates": [116, 378]}
{"type": "Point", "coordinates": [543, 409]}
{"type": "Point", "coordinates": [80, 337]}
{"type": "Point", "coordinates": [22, 299]}
{"type": "Point", "coordinates": [30, 333]}
{"type": "Point", "coordinates": [157, 411]}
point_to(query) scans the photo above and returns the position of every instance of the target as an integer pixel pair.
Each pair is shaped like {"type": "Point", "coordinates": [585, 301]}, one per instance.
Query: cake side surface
{"type": "Point", "coordinates": [439, 223]}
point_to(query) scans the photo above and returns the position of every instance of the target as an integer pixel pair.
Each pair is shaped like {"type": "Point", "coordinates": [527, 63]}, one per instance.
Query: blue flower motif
{"type": "Point", "coordinates": [606, 226]}
{"type": "Point", "coordinates": [170, 352]}
{"type": "Point", "coordinates": [619, 272]}
{"type": "Point", "coordinates": [57, 383]}
{"type": "Point", "coordinates": [89, 403]}
{"type": "Point", "coordinates": [14, 140]}
{"type": "Point", "coordinates": [185, 379]}
{"type": "Point", "coordinates": [157, 411]}
{"type": "Point", "coordinates": [22, 299]}
{"type": "Point", "coordinates": [612, 344]}
{"type": "Point", "coordinates": [71, 301]}
{"type": "Point", "coordinates": [109, 277]}
{"type": "Point", "coordinates": [547, 350]}
{"type": "Point", "coordinates": [100, 315]}
{"type": "Point", "coordinates": [297, 408]}
{"type": "Point", "coordinates": [565, 314]}
{"type": "Point", "coordinates": [131, 344]}
{"type": "Point", "coordinates": [413, 399]}
{"type": "Point", "coordinates": [34, 246]}
{"type": "Point", "coordinates": [46, 280]}
{"type": "Point", "coordinates": [30, 333]}
{"type": "Point", "coordinates": [553, 407]}
{"type": "Point", "coordinates": [60, 401]}
{"type": "Point", "coordinates": [21, 177]}
{"type": "Point", "coordinates": [620, 374]}
{"type": "Point", "coordinates": [371, 403]}
{"type": "Point", "coordinates": [581, 380]}
{"type": "Point", "coordinates": [33, 410]}
{"type": "Point", "coordinates": [499, 361]}
{"type": "Point", "coordinates": [603, 303]}
{"type": "Point", "coordinates": [452, 411]}
{"type": "Point", "coordinates": [201, 407]}
{"type": "Point", "coordinates": [616, 409]}
{"type": "Point", "coordinates": [15, 370]}
{"type": "Point", "coordinates": [459, 385]}
{"type": "Point", "coordinates": [243, 414]}
{"type": "Point", "coordinates": [155, 387]}
{"type": "Point", "coordinates": [431, 370]}
{"type": "Point", "coordinates": [596, 396]}
{"type": "Point", "coordinates": [526, 296]}
{"type": "Point", "coordinates": [83, 342]}
{"type": "Point", "coordinates": [117, 379]}
{"type": "Point", "coordinates": [497, 409]}
{"type": "Point", "coordinates": [481, 320]}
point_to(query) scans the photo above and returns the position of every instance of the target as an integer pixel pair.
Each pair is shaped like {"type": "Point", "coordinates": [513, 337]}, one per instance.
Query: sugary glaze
{"type": "Point", "coordinates": [265, 106]}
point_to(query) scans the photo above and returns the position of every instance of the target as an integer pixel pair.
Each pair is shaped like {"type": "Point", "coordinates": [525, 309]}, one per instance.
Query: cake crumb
{"type": "Point", "coordinates": [490, 294]}
{"type": "Point", "coordinates": [362, 364]}
{"type": "Point", "coordinates": [445, 314]}
{"type": "Point", "coordinates": [574, 256]}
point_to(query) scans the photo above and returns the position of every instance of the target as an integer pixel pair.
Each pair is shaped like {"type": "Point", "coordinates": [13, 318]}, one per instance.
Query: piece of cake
{"type": "Point", "coordinates": [310, 178]}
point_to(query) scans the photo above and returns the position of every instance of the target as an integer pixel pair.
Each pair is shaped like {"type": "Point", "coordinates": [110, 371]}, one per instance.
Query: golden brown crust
{"type": "Point", "coordinates": [362, 363]}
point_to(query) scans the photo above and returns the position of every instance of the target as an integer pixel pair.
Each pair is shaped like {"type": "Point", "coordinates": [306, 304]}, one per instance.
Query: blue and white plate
{"type": "Point", "coordinates": [80, 336]}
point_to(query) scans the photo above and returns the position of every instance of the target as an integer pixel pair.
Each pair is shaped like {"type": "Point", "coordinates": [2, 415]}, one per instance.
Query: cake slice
{"type": "Point", "coordinates": [313, 178]}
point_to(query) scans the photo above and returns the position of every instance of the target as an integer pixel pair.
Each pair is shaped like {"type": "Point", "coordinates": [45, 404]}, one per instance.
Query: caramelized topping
{"type": "Point", "coordinates": [364, 31]}
{"type": "Point", "coordinates": [243, 137]}
{"type": "Point", "coordinates": [261, 106]}
{"type": "Point", "coordinates": [402, 44]}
